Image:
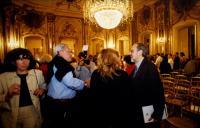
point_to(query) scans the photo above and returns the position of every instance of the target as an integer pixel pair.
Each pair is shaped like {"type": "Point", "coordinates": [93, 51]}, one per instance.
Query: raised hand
{"type": "Point", "coordinates": [14, 89]}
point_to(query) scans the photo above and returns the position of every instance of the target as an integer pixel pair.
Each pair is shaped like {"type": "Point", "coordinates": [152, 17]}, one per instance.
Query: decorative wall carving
{"type": "Point", "coordinates": [183, 6]}
{"type": "Point", "coordinates": [183, 9]}
{"type": "Point", "coordinates": [69, 30]}
{"type": "Point", "coordinates": [145, 20]}
{"type": "Point", "coordinates": [194, 13]}
{"type": "Point", "coordinates": [71, 3]}
{"type": "Point", "coordinates": [51, 18]}
{"type": "Point", "coordinates": [145, 15]}
{"type": "Point", "coordinates": [122, 27]}
{"type": "Point", "coordinates": [160, 20]}
{"type": "Point", "coordinates": [33, 20]}
{"type": "Point", "coordinates": [95, 28]}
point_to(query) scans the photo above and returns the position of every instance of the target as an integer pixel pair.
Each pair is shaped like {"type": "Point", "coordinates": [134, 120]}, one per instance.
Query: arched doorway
{"type": "Point", "coordinates": [96, 45]}
{"type": "Point", "coordinates": [35, 44]}
{"type": "Point", "coordinates": [148, 38]}
{"type": "Point", "coordinates": [123, 45]}
{"type": "Point", "coordinates": [185, 38]}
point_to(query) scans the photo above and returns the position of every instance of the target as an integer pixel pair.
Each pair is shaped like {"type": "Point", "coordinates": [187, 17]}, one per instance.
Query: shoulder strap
{"type": "Point", "coordinates": [36, 76]}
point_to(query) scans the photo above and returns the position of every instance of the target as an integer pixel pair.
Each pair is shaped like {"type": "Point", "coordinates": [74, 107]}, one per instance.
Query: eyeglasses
{"type": "Point", "coordinates": [23, 56]}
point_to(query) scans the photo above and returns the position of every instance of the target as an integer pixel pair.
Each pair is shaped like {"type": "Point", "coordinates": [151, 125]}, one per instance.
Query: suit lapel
{"type": "Point", "coordinates": [141, 68]}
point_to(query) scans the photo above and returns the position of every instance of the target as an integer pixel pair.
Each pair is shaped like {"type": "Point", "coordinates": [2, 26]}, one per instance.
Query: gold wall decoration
{"type": "Point", "coordinates": [33, 20]}
{"type": "Point", "coordinates": [183, 9]}
{"type": "Point", "coordinates": [70, 3]}
{"type": "Point", "coordinates": [69, 30]}
{"type": "Point", "coordinates": [184, 6]}
{"type": "Point", "coordinates": [145, 15]}
{"type": "Point", "coordinates": [95, 28]}
{"type": "Point", "coordinates": [122, 27]}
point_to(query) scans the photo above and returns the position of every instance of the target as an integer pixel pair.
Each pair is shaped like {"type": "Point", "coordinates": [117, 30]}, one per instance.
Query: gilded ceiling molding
{"type": "Point", "coordinates": [184, 6]}
{"type": "Point", "coordinates": [74, 3]}
{"type": "Point", "coordinates": [194, 13]}
{"type": "Point", "coordinates": [184, 9]}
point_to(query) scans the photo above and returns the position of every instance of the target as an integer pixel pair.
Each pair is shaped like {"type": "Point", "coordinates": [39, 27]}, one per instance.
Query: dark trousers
{"type": "Point", "coordinates": [57, 114]}
{"type": "Point", "coordinates": [153, 125]}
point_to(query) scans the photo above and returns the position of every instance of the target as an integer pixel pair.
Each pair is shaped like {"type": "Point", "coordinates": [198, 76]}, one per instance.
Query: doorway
{"type": "Point", "coordinates": [35, 45]}
{"type": "Point", "coordinates": [147, 39]}
{"type": "Point", "coordinates": [187, 41]}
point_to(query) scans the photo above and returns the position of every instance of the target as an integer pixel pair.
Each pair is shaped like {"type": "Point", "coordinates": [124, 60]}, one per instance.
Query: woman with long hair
{"type": "Point", "coordinates": [107, 93]}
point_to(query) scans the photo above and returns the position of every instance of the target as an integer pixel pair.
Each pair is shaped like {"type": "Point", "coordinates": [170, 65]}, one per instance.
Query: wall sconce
{"type": "Point", "coordinates": [13, 44]}
{"type": "Point", "coordinates": [161, 39]}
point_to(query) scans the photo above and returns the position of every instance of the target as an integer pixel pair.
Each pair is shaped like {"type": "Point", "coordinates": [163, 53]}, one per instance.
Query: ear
{"type": "Point", "coordinates": [140, 52]}
{"type": "Point", "coordinates": [57, 52]}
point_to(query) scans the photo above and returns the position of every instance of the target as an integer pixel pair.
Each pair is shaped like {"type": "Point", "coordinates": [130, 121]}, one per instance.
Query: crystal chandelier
{"type": "Point", "coordinates": [107, 13]}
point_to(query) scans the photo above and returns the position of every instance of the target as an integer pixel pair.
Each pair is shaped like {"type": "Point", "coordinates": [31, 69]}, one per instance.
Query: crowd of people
{"type": "Point", "coordinates": [87, 91]}
{"type": "Point", "coordinates": [178, 63]}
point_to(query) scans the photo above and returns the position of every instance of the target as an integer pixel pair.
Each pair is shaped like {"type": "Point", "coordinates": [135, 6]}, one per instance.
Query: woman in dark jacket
{"type": "Point", "coordinates": [108, 93]}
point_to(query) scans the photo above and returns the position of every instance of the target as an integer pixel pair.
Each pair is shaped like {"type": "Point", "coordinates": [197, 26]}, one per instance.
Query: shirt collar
{"type": "Point", "coordinates": [139, 63]}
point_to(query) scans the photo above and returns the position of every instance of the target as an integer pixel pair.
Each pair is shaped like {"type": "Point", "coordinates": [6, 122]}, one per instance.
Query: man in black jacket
{"type": "Point", "coordinates": [146, 89]}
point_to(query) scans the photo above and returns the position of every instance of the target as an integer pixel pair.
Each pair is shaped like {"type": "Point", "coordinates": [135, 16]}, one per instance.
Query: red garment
{"type": "Point", "coordinates": [129, 68]}
{"type": "Point", "coordinates": [44, 68]}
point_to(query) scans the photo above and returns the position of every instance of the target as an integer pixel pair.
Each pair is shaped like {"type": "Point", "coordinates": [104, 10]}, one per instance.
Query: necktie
{"type": "Point", "coordinates": [135, 71]}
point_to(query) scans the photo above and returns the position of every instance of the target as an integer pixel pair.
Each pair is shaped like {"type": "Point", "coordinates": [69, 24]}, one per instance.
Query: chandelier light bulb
{"type": "Point", "coordinates": [108, 19]}
{"type": "Point", "coordinates": [108, 14]}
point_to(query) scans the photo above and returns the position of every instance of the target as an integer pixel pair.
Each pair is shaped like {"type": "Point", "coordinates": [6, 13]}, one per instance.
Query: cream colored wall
{"type": "Point", "coordinates": [95, 45]}
{"type": "Point", "coordinates": [126, 47]}
{"type": "Point", "coordinates": [179, 37]}
{"type": "Point", "coordinates": [125, 41]}
{"type": "Point", "coordinates": [35, 45]}
{"type": "Point", "coordinates": [154, 45]}
{"type": "Point", "coordinates": [183, 41]}
{"type": "Point", "coordinates": [197, 30]}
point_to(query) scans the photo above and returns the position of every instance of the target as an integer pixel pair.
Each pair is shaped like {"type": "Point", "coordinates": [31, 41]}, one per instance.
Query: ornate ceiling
{"type": "Point", "coordinates": [71, 8]}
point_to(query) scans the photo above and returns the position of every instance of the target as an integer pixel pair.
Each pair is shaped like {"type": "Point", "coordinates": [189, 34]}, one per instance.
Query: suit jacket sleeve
{"type": "Point", "coordinates": [159, 101]}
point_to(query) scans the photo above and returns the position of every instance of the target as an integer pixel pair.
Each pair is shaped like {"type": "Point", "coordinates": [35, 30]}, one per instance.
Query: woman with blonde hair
{"type": "Point", "coordinates": [107, 93]}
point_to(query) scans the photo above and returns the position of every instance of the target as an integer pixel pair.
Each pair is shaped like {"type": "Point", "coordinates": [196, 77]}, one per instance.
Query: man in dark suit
{"type": "Point", "coordinates": [146, 89]}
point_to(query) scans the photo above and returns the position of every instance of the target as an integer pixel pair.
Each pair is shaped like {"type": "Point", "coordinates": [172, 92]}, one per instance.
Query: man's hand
{"type": "Point", "coordinates": [39, 92]}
